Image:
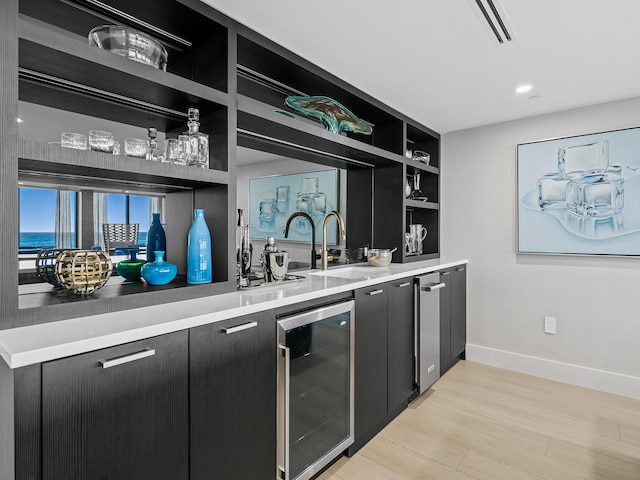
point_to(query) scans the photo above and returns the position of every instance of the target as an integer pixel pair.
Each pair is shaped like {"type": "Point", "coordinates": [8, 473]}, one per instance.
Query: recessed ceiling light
{"type": "Point", "coordinates": [523, 88]}
{"type": "Point", "coordinates": [19, 120]}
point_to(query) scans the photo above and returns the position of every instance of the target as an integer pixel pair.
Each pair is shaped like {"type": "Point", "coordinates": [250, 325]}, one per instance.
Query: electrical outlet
{"type": "Point", "coordinates": [550, 325]}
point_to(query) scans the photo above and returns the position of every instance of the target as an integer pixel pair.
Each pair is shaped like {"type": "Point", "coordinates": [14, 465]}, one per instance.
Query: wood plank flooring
{"type": "Point", "coordinates": [484, 423]}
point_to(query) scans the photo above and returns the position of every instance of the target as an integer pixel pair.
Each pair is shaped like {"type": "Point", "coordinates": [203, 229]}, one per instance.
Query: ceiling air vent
{"type": "Point", "coordinates": [492, 15]}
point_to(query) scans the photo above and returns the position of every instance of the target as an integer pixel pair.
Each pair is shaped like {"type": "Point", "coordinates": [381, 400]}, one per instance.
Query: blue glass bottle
{"type": "Point", "coordinates": [199, 251]}
{"type": "Point", "coordinates": [156, 238]}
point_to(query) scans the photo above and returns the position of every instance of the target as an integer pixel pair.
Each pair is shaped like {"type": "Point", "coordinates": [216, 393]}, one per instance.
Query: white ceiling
{"type": "Point", "coordinates": [435, 61]}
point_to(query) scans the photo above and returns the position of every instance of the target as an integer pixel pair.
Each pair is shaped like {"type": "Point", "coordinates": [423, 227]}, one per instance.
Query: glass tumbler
{"type": "Point", "coordinates": [101, 141]}
{"type": "Point", "coordinates": [174, 151]}
{"type": "Point", "coordinates": [73, 140]}
{"type": "Point", "coordinates": [136, 147]}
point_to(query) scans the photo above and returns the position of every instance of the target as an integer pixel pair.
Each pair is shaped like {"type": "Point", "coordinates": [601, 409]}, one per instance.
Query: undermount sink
{"type": "Point", "coordinates": [352, 273]}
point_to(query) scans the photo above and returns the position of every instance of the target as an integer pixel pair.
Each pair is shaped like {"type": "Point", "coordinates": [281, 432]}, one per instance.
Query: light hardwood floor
{"type": "Point", "coordinates": [484, 423]}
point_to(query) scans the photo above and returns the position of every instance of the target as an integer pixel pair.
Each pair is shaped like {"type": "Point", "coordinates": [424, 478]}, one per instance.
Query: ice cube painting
{"type": "Point", "coordinates": [273, 199]}
{"type": "Point", "coordinates": [580, 195]}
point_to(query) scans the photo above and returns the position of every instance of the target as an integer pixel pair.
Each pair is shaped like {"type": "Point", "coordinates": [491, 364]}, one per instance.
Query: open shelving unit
{"type": "Point", "coordinates": [238, 80]}
{"type": "Point", "coordinates": [50, 64]}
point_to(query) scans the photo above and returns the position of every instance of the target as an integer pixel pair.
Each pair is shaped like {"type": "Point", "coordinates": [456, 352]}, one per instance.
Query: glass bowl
{"type": "Point", "coordinates": [101, 141]}
{"type": "Point", "coordinates": [73, 140]}
{"type": "Point", "coordinates": [136, 147]}
{"type": "Point", "coordinates": [420, 156]}
{"type": "Point", "coordinates": [131, 44]}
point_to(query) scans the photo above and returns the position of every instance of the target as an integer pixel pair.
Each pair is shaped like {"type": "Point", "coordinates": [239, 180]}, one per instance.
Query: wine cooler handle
{"type": "Point", "coordinates": [284, 359]}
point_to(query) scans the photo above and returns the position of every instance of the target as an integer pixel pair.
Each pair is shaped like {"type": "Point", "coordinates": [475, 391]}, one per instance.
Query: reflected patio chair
{"type": "Point", "coordinates": [119, 235]}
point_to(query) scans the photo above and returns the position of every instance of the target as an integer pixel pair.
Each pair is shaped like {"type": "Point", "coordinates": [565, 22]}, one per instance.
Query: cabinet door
{"type": "Point", "coordinates": [118, 414]}
{"type": "Point", "coordinates": [233, 398]}
{"type": "Point", "coordinates": [445, 322]}
{"type": "Point", "coordinates": [400, 342]}
{"type": "Point", "coordinates": [370, 360]}
{"type": "Point", "coordinates": [458, 311]}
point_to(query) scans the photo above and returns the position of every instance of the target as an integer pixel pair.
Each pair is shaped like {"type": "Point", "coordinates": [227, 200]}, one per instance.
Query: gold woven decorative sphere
{"type": "Point", "coordinates": [83, 271]}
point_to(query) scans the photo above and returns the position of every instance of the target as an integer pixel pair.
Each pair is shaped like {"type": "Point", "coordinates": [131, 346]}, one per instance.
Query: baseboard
{"type": "Point", "coordinates": [604, 381]}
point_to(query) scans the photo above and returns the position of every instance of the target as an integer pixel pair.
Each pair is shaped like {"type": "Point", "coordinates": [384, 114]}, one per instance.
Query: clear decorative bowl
{"type": "Point", "coordinates": [131, 44]}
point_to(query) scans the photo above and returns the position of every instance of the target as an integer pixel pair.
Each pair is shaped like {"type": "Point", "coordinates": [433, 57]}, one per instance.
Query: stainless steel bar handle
{"type": "Point", "coordinates": [375, 292]}
{"type": "Point", "coordinates": [239, 328]}
{"type": "Point", "coordinates": [434, 287]}
{"type": "Point", "coordinates": [461, 269]}
{"type": "Point", "coordinates": [283, 413]}
{"type": "Point", "coordinates": [445, 273]}
{"type": "Point", "coordinates": [114, 362]}
{"type": "Point", "coordinates": [403, 284]}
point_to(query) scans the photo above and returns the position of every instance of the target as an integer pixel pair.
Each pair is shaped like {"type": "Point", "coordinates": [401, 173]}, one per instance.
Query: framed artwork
{"type": "Point", "coordinates": [580, 195]}
{"type": "Point", "coordinates": [273, 199]}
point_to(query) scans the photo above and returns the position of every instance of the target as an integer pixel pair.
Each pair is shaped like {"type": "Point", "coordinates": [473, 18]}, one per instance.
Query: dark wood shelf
{"type": "Point", "coordinates": [196, 41]}
{"type": "Point", "coordinates": [42, 163]}
{"type": "Point", "coordinates": [420, 258]}
{"type": "Point", "coordinates": [418, 167]}
{"type": "Point", "coordinates": [62, 71]}
{"type": "Point", "coordinates": [39, 300]}
{"type": "Point", "coordinates": [275, 74]}
{"type": "Point", "coordinates": [73, 56]}
{"type": "Point", "coordinates": [261, 126]}
{"type": "Point", "coordinates": [420, 205]}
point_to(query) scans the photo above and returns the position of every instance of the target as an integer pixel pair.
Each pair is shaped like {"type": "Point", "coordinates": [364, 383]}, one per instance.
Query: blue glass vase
{"type": "Point", "coordinates": [158, 272]}
{"type": "Point", "coordinates": [199, 251]}
{"type": "Point", "coordinates": [156, 238]}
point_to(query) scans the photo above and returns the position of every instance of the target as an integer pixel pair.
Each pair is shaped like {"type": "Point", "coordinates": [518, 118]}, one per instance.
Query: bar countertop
{"type": "Point", "coordinates": [33, 344]}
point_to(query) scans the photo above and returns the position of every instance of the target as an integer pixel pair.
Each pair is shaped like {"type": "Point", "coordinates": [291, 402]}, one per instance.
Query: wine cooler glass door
{"type": "Point", "coordinates": [315, 392]}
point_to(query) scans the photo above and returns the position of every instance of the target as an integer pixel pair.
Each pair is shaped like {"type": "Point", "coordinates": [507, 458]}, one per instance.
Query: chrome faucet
{"type": "Point", "coordinates": [313, 233]}
{"type": "Point", "coordinates": [343, 235]}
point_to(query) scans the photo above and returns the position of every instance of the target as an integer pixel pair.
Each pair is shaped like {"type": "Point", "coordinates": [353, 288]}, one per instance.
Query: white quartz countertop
{"type": "Point", "coordinates": [24, 346]}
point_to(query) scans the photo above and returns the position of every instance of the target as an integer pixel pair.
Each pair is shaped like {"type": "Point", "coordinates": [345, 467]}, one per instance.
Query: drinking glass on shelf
{"type": "Point", "coordinates": [408, 243]}
{"type": "Point", "coordinates": [174, 151]}
{"type": "Point", "coordinates": [101, 141]}
{"type": "Point", "coordinates": [136, 147]}
{"type": "Point", "coordinates": [116, 147]}
{"type": "Point", "coordinates": [73, 140]}
{"type": "Point", "coordinates": [416, 192]}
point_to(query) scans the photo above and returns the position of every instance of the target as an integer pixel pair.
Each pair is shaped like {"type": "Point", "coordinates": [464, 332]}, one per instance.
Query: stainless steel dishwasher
{"type": "Point", "coordinates": [427, 327]}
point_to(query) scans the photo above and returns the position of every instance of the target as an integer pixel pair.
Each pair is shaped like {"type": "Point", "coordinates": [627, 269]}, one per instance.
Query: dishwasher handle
{"type": "Point", "coordinates": [431, 288]}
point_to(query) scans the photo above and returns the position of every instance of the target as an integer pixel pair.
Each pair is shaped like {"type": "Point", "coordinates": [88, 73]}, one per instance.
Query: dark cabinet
{"type": "Point", "coordinates": [233, 398]}
{"type": "Point", "coordinates": [117, 414]}
{"type": "Point", "coordinates": [453, 317]}
{"type": "Point", "coordinates": [400, 352]}
{"type": "Point", "coordinates": [370, 363]}
{"type": "Point", "coordinates": [384, 361]}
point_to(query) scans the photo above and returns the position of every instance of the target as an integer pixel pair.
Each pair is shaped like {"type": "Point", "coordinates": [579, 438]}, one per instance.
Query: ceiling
{"type": "Point", "coordinates": [438, 62]}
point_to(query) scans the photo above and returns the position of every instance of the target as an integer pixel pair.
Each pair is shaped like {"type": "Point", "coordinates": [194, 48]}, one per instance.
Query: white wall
{"type": "Point", "coordinates": [595, 300]}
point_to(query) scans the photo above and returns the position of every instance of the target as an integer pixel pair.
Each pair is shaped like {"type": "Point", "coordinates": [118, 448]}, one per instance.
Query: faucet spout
{"type": "Point", "coordinates": [313, 233]}
{"type": "Point", "coordinates": [343, 235]}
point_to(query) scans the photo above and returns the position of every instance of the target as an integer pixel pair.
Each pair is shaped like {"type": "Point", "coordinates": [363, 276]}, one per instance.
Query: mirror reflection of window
{"type": "Point", "coordinates": [124, 208]}
{"type": "Point", "coordinates": [47, 219]}
{"type": "Point", "coordinates": [131, 209]}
